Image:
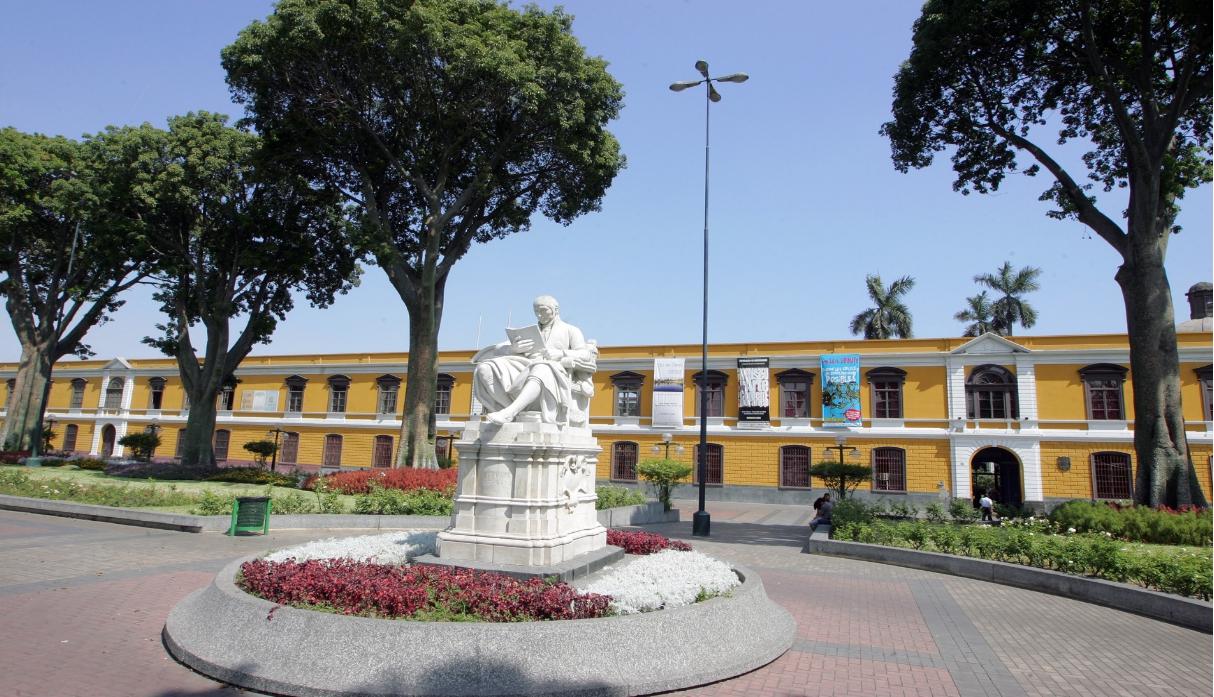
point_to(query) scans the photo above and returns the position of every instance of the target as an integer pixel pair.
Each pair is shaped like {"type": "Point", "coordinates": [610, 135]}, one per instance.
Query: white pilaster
{"type": "Point", "coordinates": [1026, 387]}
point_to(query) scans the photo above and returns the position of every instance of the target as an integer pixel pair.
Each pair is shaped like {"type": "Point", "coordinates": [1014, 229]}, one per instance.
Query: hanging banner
{"type": "Point", "coordinates": [668, 392]}
{"type": "Point", "coordinates": [840, 390]}
{"type": "Point", "coordinates": [753, 391]}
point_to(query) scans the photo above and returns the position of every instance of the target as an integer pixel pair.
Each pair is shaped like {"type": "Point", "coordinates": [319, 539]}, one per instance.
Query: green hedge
{"type": "Point", "coordinates": [252, 475]}
{"type": "Point", "coordinates": [617, 497]}
{"type": "Point", "coordinates": [1182, 572]}
{"type": "Point", "coordinates": [1136, 523]}
{"type": "Point", "coordinates": [383, 501]}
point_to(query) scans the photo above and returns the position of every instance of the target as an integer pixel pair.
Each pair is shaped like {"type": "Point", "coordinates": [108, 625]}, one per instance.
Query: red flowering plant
{"type": "Point", "coordinates": [416, 592]}
{"type": "Point", "coordinates": [638, 542]}
{"type": "Point", "coordinates": [405, 479]}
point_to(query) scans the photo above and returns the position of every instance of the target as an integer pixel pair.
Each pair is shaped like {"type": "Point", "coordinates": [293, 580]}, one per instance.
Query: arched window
{"type": "Point", "coordinates": [624, 461]}
{"type": "Point", "coordinates": [339, 389]}
{"type": "Point", "coordinates": [77, 393]}
{"type": "Point", "coordinates": [795, 385]}
{"type": "Point", "coordinates": [1112, 476]}
{"type": "Point", "coordinates": [290, 448]}
{"type": "Point", "coordinates": [889, 469]}
{"type": "Point", "coordinates": [1102, 391]}
{"type": "Point", "coordinates": [886, 384]}
{"type": "Point", "coordinates": [794, 467]}
{"type": "Point", "coordinates": [990, 393]}
{"type": "Point", "coordinates": [381, 453]}
{"type": "Point", "coordinates": [627, 393]}
{"type": "Point", "coordinates": [332, 456]}
{"type": "Point", "coordinates": [69, 437]}
{"type": "Point", "coordinates": [389, 388]}
{"type": "Point", "coordinates": [715, 465]}
{"type": "Point", "coordinates": [155, 393]}
{"type": "Point", "coordinates": [222, 438]}
{"type": "Point", "coordinates": [113, 394]}
{"type": "Point", "coordinates": [442, 394]}
{"type": "Point", "coordinates": [714, 388]}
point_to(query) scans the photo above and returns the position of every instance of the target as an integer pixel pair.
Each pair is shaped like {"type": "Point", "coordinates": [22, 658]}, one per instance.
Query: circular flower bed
{"type": "Point", "coordinates": [372, 576]}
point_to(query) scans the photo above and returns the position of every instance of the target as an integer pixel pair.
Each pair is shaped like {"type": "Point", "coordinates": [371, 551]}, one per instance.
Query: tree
{"type": "Point", "coordinates": [262, 450]}
{"type": "Point", "coordinates": [663, 476]}
{"type": "Point", "coordinates": [445, 122]}
{"type": "Point", "coordinates": [979, 312]}
{"type": "Point", "coordinates": [63, 263]}
{"type": "Point", "coordinates": [143, 444]}
{"type": "Point", "coordinates": [1010, 309]}
{"type": "Point", "coordinates": [890, 317]}
{"type": "Point", "coordinates": [1130, 80]}
{"type": "Point", "coordinates": [230, 236]}
{"type": "Point", "coordinates": [841, 477]}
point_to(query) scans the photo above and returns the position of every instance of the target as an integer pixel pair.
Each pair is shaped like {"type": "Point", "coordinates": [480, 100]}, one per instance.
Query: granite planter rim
{"type": "Point", "coordinates": [227, 634]}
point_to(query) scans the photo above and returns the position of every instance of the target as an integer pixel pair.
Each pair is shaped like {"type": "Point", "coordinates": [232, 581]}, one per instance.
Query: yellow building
{"type": "Point", "coordinates": [1037, 419]}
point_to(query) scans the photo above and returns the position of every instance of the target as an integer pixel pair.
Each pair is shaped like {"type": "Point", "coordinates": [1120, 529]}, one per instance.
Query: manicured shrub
{"type": "Point", "coordinates": [53, 462]}
{"type": "Point", "coordinates": [962, 510]}
{"type": "Point", "coordinates": [638, 542]}
{"type": "Point", "coordinates": [416, 592]}
{"type": "Point", "coordinates": [294, 502]}
{"type": "Point", "coordinates": [142, 444]}
{"type": "Point", "coordinates": [89, 463]}
{"type": "Point", "coordinates": [1179, 571]}
{"type": "Point", "coordinates": [403, 479]}
{"type": "Point", "coordinates": [663, 476]}
{"type": "Point", "coordinates": [382, 501]}
{"type": "Point", "coordinates": [252, 475]}
{"type": "Point", "coordinates": [851, 511]}
{"type": "Point", "coordinates": [617, 496]}
{"type": "Point", "coordinates": [935, 513]}
{"type": "Point", "coordinates": [210, 503]}
{"type": "Point", "coordinates": [1137, 523]}
{"type": "Point", "coordinates": [157, 470]}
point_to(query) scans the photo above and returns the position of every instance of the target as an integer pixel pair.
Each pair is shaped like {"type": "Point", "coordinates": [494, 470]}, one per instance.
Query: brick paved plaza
{"type": "Point", "coordinates": [82, 605]}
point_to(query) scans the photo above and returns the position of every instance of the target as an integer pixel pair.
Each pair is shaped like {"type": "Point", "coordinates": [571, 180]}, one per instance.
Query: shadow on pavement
{"type": "Point", "coordinates": [739, 533]}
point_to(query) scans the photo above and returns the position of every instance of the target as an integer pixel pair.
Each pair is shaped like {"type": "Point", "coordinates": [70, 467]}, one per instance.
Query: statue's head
{"type": "Point", "coordinates": [546, 308]}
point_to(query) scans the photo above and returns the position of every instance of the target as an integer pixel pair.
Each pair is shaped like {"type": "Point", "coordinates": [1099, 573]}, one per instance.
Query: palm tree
{"type": "Point", "coordinates": [890, 317]}
{"type": "Point", "coordinates": [1010, 309]}
{"type": "Point", "coordinates": [979, 312]}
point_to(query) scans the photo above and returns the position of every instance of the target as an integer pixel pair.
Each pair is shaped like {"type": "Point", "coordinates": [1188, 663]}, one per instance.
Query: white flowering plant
{"type": "Point", "coordinates": [664, 580]}
{"type": "Point", "coordinates": [388, 548]}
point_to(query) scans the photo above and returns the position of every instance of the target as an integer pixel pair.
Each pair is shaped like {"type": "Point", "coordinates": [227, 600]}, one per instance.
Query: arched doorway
{"type": "Point", "coordinates": [997, 470]}
{"type": "Point", "coordinates": [107, 440]}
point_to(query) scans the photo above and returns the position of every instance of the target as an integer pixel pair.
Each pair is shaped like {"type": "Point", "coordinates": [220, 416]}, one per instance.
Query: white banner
{"type": "Point", "coordinates": [259, 400]}
{"type": "Point", "coordinates": [668, 392]}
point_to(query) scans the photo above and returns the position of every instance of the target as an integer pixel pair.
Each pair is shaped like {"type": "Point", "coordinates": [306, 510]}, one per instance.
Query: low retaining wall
{"type": "Point", "coordinates": [227, 634]}
{"type": "Point", "coordinates": [1186, 612]}
{"type": "Point", "coordinates": [643, 514]}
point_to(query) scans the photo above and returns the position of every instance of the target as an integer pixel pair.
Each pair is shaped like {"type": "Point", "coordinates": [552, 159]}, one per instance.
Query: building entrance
{"type": "Point", "coordinates": [997, 472]}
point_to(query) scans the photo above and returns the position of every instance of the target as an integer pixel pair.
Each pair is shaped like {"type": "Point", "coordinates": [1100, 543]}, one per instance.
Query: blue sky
{"type": "Point", "coordinates": [804, 200]}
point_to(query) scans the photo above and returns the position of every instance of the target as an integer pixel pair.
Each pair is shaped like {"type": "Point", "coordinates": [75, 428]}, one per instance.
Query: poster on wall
{"type": "Point", "coordinates": [753, 393]}
{"type": "Point", "coordinates": [668, 392]}
{"type": "Point", "coordinates": [259, 400]}
{"type": "Point", "coordinates": [841, 390]}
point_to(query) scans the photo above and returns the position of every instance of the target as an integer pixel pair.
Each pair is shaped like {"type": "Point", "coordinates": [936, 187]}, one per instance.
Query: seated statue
{"type": "Point", "coordinates": [554, 380]}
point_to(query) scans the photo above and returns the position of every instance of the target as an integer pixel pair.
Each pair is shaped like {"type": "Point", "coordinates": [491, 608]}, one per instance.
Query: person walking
{"type": "Point", "coordinates": [986, 505]}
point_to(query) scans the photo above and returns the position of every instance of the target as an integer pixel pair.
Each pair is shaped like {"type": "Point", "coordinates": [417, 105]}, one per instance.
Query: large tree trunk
{"type": "Point", "coordinates": [29, 388]}
{"type": "Point", "coordinates": [197, 451]}
{"type": "Point", "coordinates": [202, 383]}
{"type": "Point", "coordinates": [416, 433]}
{"type": "Point", "coordinates": [1165, 469]}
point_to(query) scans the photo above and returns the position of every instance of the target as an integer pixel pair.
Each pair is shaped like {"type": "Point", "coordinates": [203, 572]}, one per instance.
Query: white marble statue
{"type": "Point", "coordinates": [554, 379]}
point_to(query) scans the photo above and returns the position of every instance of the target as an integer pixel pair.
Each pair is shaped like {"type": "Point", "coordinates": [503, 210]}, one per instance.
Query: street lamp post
{"type": "Point", "coordinates": [667, 440]}
{"type": "Point", "coordinates": [701, 521]}
{"type": "Point", "coordinates": [841, 446]}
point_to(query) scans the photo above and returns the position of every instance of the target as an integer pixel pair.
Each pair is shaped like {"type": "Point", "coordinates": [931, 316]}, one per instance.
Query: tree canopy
{"type": "Point", "coordinates": [230, 237]}
{"type": "Point", "coordinates": [446, 122]}
{"type": "Point", "coordinates": [890, 317]}
{"type": "Point", "coordinates": [1010, 308]}
{"type": "Point", "coordinates": [978, 313]}
{"type": "Point", "coordinates": [1121, 86]}
{"type": "Point", "coordinates": [65, 258]}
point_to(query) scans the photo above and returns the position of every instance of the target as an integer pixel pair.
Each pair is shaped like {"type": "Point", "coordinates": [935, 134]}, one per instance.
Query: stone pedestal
{"type": "Point", "coordinates": [525, 496]}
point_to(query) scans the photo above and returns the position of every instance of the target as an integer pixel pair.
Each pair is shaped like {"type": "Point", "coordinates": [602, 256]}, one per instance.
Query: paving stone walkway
{"type": "Point", "coordinates": [82, 604]}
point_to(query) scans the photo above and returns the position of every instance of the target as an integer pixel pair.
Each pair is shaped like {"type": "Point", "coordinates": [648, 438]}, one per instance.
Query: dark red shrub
{"type": "Point", "coordinates": [13, 457]}
{"type": "Point", "coordinates": [637, 542]}
{"type": "Point", "coordinates": [381, 590]}
{"type": "Point", "coordinates": [405, 479]}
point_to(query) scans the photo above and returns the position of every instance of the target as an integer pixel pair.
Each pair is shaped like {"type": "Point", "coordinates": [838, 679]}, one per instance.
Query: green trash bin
{"type": "Point", "coordinates": [250, 514]}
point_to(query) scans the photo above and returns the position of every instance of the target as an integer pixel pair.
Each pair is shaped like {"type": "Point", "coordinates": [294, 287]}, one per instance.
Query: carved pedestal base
{"type": "Point", "coordinates": [525, 496]}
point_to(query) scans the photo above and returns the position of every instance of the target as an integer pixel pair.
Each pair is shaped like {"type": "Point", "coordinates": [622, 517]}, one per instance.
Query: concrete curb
{"type": "Point", "coordinates": [1186, 612]}
{"type": "Point", "coordinates": [226, 634]}
{"type": "Point", "coordinates": [643, 514]}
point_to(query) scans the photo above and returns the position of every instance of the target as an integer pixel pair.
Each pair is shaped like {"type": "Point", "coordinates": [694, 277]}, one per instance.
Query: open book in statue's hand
{"type": "Point", "coordinates": [526, 339]}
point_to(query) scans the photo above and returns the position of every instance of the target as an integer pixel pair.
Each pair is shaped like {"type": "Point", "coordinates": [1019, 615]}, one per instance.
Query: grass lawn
{"type": "Point", "coordinates": [187, 486]}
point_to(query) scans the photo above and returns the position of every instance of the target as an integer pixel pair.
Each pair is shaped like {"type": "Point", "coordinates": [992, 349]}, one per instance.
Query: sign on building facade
{"type": "Point", "coordinates": [668, 392]}
{"type": "Point", "coordinates": [840, 390]}
{"type": "Point", "coordinates": [753, 393]}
